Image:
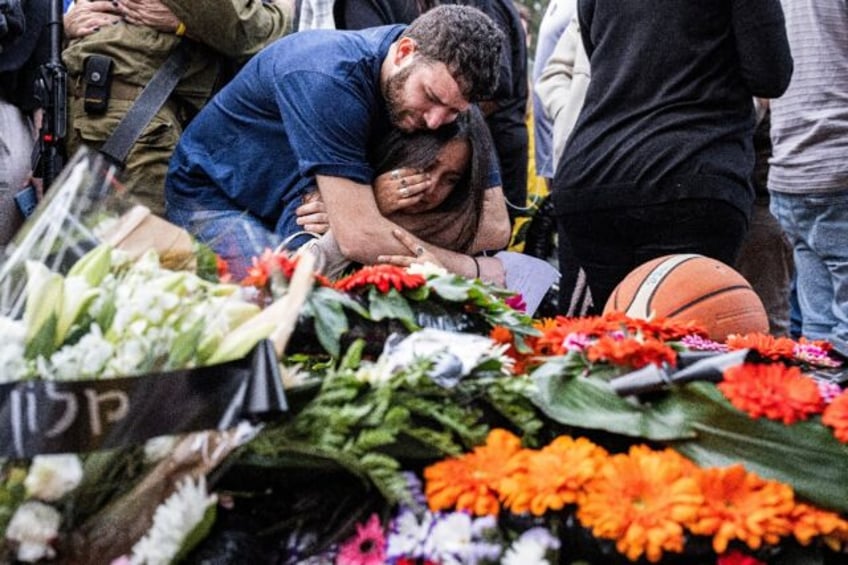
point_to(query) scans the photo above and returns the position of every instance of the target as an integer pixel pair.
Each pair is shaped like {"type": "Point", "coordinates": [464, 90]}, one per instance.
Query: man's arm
{"type": "Point", "coordinates": [234, 28]}
{"type": "Point", "coordinates": [363, 234]}
{"type": "Point", "coordinates": [494, 230]}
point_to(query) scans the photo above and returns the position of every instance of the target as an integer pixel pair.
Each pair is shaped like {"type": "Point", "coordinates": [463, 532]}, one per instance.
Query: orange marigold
{"type": "Point", "coordinates": [836, 416]}
{"type": "Point", "coordinates": [740, 505]}
{"type": "Point", "coordinates": [642, 500]}
{"type": "Point", "coordinates": [631, 352]}
{"type": "Point", "coordinates": [552, 477]}
{"type": "Point", "coordinates": [470, 482]}
{"type": "Point", "coordinates": [383, 277]}
{"type": "Point", "coordinates": [767, 346]}
{"type": "Point", "coordinates": [774, 391]}
{"type": "Point", "coordinates": [809, 523]}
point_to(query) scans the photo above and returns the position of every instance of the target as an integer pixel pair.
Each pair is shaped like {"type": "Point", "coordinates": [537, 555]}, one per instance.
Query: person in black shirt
{"type": "Point", "coordinates": [661, 156]}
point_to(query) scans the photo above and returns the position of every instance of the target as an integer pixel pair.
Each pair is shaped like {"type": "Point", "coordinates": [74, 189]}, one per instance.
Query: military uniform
{"type": "Point", "coordinates": [220, 31]}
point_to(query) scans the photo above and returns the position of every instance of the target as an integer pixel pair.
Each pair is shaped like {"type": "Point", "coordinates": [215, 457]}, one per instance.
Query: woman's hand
{"type": "Point", "coordinates": [312, 214]}
{"type": "Point", "coordinates": [399, 189]}
{"type": "Point", "coordinates": [150, 13]}
{"type": "Point", "coordinates": [418, 253]}
{"type": "Point", "coordinates": [84, 18]}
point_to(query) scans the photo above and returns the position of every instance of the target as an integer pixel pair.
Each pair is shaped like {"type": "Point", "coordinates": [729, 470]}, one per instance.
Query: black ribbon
{"type": "Point", "coordinates": [38, 417]}
{"type": "Point", "coordinates": [694, 366]}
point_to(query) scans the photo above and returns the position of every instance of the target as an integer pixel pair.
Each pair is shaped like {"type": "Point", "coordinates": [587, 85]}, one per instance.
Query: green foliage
{"type": "Point", "coordinates": [405, 421]}
{"type": "Point", "coordinates": [699, 422]}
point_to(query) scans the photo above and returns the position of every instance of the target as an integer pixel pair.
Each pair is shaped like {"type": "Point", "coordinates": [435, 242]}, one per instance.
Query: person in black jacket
{"type": "Point", "coordinates": [660, 159]}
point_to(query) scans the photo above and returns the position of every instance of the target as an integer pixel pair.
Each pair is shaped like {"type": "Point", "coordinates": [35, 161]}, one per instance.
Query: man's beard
{"type": "Point", "coordinates": [393, 94]}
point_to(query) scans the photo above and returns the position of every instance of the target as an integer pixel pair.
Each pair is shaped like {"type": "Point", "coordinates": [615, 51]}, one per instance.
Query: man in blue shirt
{"type": "Point", "coordinates": [305, 111]}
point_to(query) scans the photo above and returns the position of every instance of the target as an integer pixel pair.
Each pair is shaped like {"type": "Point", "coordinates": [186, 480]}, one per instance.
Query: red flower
{"type": "Point", "coordinates": [631, 352]}
{"type": "Point", "coordinates": [383, 277]}
{"type": "Point", "coordinates": [836, 416]}
{"type": "Point", "coordinates": [266, 265]}
{"type": "Point", "coordinates": [774, 391]}
{"type": "Point", "coordinates": [767, 346]}
{"type": "Point", "coordinates": [223, 269]}
{"type": "Point", "coordinates": [737, 558]}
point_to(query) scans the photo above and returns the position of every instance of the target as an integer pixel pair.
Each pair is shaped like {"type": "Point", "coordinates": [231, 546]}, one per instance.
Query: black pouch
{"type": "Point", "coordinates": [97, 78]}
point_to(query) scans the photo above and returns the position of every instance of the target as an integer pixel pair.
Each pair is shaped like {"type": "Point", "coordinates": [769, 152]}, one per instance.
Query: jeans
{"type": "Point", "coordinates": [609, 243]}
{"type": "Point", "coordinates": [817, 227]}
{"type": "Point", "coordinates": [234, 235]}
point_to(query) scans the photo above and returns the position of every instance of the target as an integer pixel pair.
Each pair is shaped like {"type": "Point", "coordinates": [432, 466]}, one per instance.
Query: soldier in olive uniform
{"type": "Point", "coordinates": [138, 36]}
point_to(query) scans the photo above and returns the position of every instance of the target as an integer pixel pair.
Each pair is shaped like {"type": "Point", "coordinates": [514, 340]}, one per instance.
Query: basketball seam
{"type": "Point", "coordinates": [707, 296]}
{"type": "Point", "coordinates": [658, 284]}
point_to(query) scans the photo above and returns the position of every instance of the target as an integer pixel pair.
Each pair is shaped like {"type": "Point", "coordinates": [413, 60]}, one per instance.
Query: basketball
{"type": "Point", "coordinates": [691, 287]}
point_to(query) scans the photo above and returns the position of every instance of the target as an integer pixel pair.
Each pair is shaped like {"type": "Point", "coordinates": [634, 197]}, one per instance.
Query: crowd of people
{"type": "Point", "coordinates": [396, 131]}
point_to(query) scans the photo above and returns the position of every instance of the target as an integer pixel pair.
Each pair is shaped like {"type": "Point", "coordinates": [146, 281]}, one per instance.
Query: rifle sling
{"type": "Point", "coordinates": [149, 101]}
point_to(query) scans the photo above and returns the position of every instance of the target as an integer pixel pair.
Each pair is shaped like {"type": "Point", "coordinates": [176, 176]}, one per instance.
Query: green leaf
{"type": "Point", "coordinates": [804, 455]}
{"type": "Point", "coordinates": [450, 288]}
{"type": "Point", "coordinates": [330, 324]}
{"type": "Point", "coordinates": [391, 305]}
{"type": "Point", "coordinates": [589, 402]}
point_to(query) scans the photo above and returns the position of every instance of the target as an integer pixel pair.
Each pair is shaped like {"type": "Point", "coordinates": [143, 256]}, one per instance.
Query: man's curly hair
{"type": "Point", "coordinates": [467, 41]}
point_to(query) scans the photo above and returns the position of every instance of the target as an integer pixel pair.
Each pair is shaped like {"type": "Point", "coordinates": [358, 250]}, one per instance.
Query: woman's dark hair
{"type": "Point", "coordinates": [420, 149]}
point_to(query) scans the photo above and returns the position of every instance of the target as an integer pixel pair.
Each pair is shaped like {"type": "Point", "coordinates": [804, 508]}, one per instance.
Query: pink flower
{"type": "Point", "coordinates": [516, 302]}
{"type": "Point", "coordinates": [366, 547]}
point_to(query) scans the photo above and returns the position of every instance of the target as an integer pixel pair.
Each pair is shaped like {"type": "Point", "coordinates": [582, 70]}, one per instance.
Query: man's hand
{"type": "Point", "coordinates": [312, 214]}
{"type": "Point", "coordinates": [399, 189]}
{"type": "Point", "coordinates": [150, 13]}
{"type": "Point", "coordinates": [84, 18]}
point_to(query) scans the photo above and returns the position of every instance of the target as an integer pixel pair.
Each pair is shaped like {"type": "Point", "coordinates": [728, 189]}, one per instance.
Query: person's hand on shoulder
{"type": "Point", "coordinates": [84, 18]}
{"type": "Point", "coordinates": [150, 13]}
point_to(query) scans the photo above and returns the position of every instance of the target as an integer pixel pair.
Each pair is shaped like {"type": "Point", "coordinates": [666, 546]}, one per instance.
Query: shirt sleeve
{"type": "Point", "coordinates": [234, 28]}
{"type": "Point", "coordinates": [328, 123]}
{"type": "Point", "coordinates": [763, 47]}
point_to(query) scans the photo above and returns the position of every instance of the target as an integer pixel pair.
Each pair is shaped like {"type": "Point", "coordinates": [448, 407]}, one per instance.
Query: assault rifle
{"type": "Point", "coordinates": [52, 90]}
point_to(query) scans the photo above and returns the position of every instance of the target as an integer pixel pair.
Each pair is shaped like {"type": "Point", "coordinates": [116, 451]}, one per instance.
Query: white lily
{"type": "Point", "coordinates": [78, 294]}
{"type": "Point", "coordinates": [43, 305]}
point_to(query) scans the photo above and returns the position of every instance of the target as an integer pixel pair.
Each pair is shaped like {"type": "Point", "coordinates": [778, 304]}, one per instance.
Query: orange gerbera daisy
{"type": "Point", "coordinates": [642, 500]}
{"type": "Point", "coordinates": [774, 391]}
{"type": "Point", "coordinates": [552, 477]}
{"type": "Point", "coordinates": [470, 482]}
{"type": "Point", "coordinates": [767, 346]}
{"type": "Point", "coordinates": [631, 352]}
{"type": "Point", "coordinates": [809, 522]}
{"type": "Point", "coordinates": [836, 416]}
{"type": "Point", "coordinates": [383, 277]}
{"type": "Point", "coordinates": [740, 505]}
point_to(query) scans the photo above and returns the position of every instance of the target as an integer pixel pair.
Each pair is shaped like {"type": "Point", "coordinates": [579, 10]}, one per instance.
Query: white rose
{"type": "Point", "coordinates": [50, 477]}
{"type": "Point", "coordinates": [33, 527]}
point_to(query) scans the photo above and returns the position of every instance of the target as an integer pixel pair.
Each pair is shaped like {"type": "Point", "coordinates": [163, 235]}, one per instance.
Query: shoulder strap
{"type": "Point", "coordinates": [154, 95]}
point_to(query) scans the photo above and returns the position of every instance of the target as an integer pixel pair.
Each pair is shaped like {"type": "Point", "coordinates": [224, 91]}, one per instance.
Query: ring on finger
{"type": "Point", "coordinates": [395, 174]}
{"type": "Point", "coordinates": [419, 251]}
{"type": "Point", "coordinates": [403, 182]}
{"type": "Point", "coordinates": [404, 192]}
